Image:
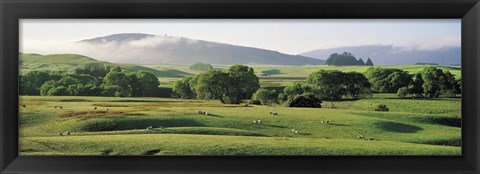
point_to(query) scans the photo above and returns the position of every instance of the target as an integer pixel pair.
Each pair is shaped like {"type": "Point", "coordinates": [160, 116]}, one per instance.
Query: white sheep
{"type": "Point", "coordinates": [321, 121]}
{"type": "Point", "coordinates": [360, 136]}
{"type": "Point", "coordinates": [199, 112]}
{"type": "Point", "coordinates": [67, 133]}
{"type": "Point", "coordinates": [150, 127]}
{"type": "Point", "coordinates": [259, 121]}
{"type": "Point", "coordinates": [206, 113]}
{"type": "Point", "coordinates": [326, 122]}
{"type": "Point", "coordinates": [296, 132]}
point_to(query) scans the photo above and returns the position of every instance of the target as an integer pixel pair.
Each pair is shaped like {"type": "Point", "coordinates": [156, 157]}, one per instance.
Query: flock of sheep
{"type": "Point", "coordinates": [295, 131]}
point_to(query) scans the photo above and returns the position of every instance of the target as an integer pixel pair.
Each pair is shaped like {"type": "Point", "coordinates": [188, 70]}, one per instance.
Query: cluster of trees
{"type": "Point", "coordinates": [320, 85]}
{"type": "Point", "coordinates": [431, 82]}
{"type": "Point", "coordinates": [201, 67]}
{"type": "Point", "coordinates": [231, 86]}
{"type": "Point", "coordinates": [91, 80]}
{"type": "Point", "coordinates": [346, 58]}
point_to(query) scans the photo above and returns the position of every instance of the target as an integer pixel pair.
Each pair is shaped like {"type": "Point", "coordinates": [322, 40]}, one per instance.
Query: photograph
{"type": "Point", "coordinates": [240, 87]}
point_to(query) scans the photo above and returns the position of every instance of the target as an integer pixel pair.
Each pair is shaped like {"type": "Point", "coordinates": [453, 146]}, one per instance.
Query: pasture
{"type": "Point", "coordinates": [120, 126]}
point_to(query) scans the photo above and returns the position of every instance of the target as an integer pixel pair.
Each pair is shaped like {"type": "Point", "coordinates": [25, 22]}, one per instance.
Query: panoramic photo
{"type": "Point", "coordinates": [238, 87]}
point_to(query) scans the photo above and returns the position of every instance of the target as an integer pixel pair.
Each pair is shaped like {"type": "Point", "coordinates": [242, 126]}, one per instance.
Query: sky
{"type": "Point", "coordinates": [291, 36]}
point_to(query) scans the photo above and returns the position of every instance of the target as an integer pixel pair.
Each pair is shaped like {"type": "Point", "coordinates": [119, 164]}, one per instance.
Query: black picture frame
{"type": "Point", "coordinates": [13, 10]}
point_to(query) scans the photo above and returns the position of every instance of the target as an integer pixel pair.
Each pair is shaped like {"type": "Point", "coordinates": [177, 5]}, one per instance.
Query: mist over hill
{"type": "Point", "coordinates": [390, 55]}
{"type": "Point", "coordinates": [137, 48]}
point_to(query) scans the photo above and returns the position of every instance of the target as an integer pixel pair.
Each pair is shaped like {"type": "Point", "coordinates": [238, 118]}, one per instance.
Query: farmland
{"type": "Point", "coordinates": [408, 129]}
{"type": "Point", "coordinates": [118, 126]}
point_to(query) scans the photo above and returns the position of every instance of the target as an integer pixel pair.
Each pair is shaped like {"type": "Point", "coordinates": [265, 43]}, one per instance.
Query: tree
{"type": "Point", "coordinates": [304, 100]}
{"type": "Point", "coordinates": [403, 92]}
{"type": "Point", "coordinates": [211, 85]}
{"type": "Point", "coordinates": [116, 78]}
{"type": "Point", "coordinates": [147, 82]}
{"type": "Point", "coordinates": [201, 67]}
{"type": "Point", "coordinates": [356, 84]}
{"type": "Point", "coordinates": [31, 82]}
{"type": "Point", "coordinates": [342, 59]}
{"type": "Point", "coordinates": [328, 84]}
{"type": "Point", "coordinates": [369, 62]}
{"type": "Point", "coordinates": [416, 87]}
{"type": "Point", "coordinates": [361, 62]}
{"type": "Point", "coordinates": [242, 83]}
{"type": "Point", "coordinates": [387, 79]}
{"type": "Point", "coordinates": [265, 96]}
{"type": "Point", "coordinates": [292, 90]}
{"type": "Point", "coordinates": [182, 88]}
{"type": "Point", "coordinates": [434, 81]}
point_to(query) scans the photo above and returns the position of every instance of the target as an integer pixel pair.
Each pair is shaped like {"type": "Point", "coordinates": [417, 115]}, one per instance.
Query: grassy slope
{"type": "Point", "coordinates": [403, 130]}
{"type": "Point", "coordinates": [68, 62]}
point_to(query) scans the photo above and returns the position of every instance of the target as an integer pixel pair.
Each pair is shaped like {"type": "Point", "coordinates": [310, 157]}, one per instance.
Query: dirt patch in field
{"type": "Point", "coordinates": [31, 103]}
{"type": "Point", "coordinates": [75, 100]}
{"type": "Point", "coordinates": [110, 105]}
{"type": "Point", "coordinates": [186, 104]}
{"type": "Point", "coordinates": [89, 114]}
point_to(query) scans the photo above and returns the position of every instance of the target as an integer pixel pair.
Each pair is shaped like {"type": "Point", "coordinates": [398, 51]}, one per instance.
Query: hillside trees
{"type": "Point", "coordinates": [201, 67]}
{"type": "Point", "coordinates": [333, 84]}
{"type": "Point", "coordinates": [238, 82]}
{"type": "Point", "coordinates": [387, 79]}
{"type": "Point", "coordinates": [88, 81]}
{"type": "Point", "coordinates": [345, 58]}
{"type": "Point", "coordinates": [369, 62]}
{"type": "Point", "coordinates": [183, 89]}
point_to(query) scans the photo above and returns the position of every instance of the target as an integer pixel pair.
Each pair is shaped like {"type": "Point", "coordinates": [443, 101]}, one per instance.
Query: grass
{"type": "Point", "coordinates": [229, 129]}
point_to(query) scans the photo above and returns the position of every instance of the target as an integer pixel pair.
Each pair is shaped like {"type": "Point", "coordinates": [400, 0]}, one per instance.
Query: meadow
{"type": "Point", "coordinates": [118, 126]}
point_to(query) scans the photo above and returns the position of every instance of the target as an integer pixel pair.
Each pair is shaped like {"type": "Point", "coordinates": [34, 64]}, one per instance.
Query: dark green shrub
{"type": "Point", "coordinates": [382, 107]}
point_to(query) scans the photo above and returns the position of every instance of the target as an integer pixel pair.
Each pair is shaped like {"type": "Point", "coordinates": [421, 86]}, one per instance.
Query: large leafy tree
{"type": "Point", "coordinates": [242, 83]}
{"type": "Point", "coordinates": [116, 78]}
{"type": "Point", "coordinates": [343, 59]}
{"type": "Point", "coordinates": [211, 85]}
{"type": "Point", "coordinates": [31, 82]}
{"type": "Point", "coordinates": [148, 83]}
{"type": "Point", "coordinates": [387, 79]}
{"type": "Point", "coordinates": [328, 83]}
{"type": "Point", "coordinates": [182, 88]}
{"type": "Point", "coordinates": [356, 84]}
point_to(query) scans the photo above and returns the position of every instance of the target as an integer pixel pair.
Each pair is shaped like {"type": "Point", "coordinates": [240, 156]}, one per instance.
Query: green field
{"type": "Point", "coordinates": [118, 126]}
{"type": "Point", "coordinates": [412, 127]}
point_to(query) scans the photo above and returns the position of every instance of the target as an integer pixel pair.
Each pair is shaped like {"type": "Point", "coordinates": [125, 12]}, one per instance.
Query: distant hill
{"type": "Point", "coordinates": [68, 62]}
{"type": "Point", "coordinates": [136, 48]}
{"type": "Point", "coordinates": [390, 55]}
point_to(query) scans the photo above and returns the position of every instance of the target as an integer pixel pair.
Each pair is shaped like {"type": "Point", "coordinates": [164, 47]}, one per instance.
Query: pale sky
{"type": "Point", "coordinates": [291, 36]}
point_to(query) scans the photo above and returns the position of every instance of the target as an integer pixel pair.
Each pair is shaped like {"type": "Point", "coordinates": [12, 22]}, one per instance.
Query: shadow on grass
{"type": "Point", "coordinates": [397, 127]}
{"type": "Point", "coordinates": [275, 126]}
{"type": "Point", "coordinates": [441, 120]}
{"type": "Point", "coordinates": [335, 124]}
{"type": "Point", "coordinates": [151, 152]}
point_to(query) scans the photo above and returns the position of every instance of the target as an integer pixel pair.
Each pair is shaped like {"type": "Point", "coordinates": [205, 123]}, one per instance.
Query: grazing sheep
{"type": "Point", "coordinates": [360, 136]}
{"type": "Point", "coordinates": [61, 107]}
{"type": "Point", "coordinates": [60, 134]}
{"type": "Point", "coordinates": [321, 121]}
{"type": "Point", "coordinates": [206, 113]}
{"type": "Point", "coordinates": [293, 130]}
{"type": "Point", "coordinates": [199, 112]}
{"type": "Point", "coordinates": [255, 121]}
{"type": "Point", "coordinates": [95, 108]}
{"type": "Point", "coordinates": [274, 113]}
{"type": "Point", "coordinates": [326, 122]}
{"type": "Point", "coordinates": [55, 107]}
{"type": "Point", "coordinates": [296, 132]}
{"type": "Point", "coordinates": [259, 121]}
{"type": "Point", "coordinates": [270, 113]}
{"type": "Point", "coordinates": [67, 133]}
{"type": "Point", "coordinates": [150, 127]}
{"type": "Point", "coordinates": [24, 106]}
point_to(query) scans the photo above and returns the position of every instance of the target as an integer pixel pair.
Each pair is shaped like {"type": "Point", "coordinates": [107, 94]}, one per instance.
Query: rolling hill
{"type": "Point", "coordinates": [390, 55]}
{"type": "Point", "coordinates": [68, 62]}
{"type": "Point", "coordinates": [137, 48]}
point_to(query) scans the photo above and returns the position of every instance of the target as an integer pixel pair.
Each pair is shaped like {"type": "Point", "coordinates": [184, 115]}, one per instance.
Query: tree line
{"type": "Point", "coordinates": [90, 80]}
{"type": "Point", "coordinates": [347, 59]}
